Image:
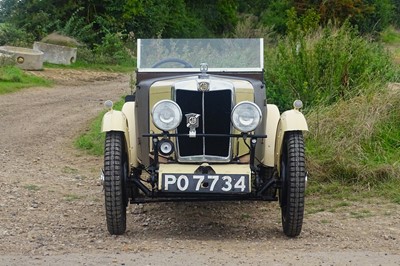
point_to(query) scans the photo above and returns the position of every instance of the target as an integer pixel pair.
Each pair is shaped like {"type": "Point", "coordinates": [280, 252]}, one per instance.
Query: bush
{"type": "Point", "coordinates": [275, 15]}
{"type": "Point", "coordinates": [324, 66]}
{"type": "Point", "coordinates": [249, 27]}
{"type": "Point", "coordinates": [10, 35]}
{"type": "Point", "coordinates": [112, 51]}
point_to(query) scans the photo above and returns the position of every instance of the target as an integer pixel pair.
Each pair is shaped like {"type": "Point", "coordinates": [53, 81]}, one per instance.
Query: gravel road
{"type": "Point", "coordinates": [52, 210]}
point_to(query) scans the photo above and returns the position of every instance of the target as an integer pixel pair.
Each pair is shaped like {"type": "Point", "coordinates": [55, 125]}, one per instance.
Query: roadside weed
{"type": "Point", "coordinates": [361, 214]}
{"type": "Point", "coordinates": [31, 187]}
{"type": "Point", "coordinates": [71, 197]}
{"type": "Point", "coordinates": [69, 170]}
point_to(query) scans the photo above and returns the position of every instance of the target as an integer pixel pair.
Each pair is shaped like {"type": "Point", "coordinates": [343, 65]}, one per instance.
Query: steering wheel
{"type": "Point", "coordinates": [172, 60]}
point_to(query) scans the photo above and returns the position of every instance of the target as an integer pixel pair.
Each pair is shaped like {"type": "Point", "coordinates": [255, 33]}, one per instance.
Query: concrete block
{"type": "Point", "coordinates": [25, 58]}
{"type": "Point", "coordinates": [56, 54]}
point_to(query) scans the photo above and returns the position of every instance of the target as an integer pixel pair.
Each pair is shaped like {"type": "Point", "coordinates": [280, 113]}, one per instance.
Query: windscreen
{"type": "Point", "coordinates": [217, 54]}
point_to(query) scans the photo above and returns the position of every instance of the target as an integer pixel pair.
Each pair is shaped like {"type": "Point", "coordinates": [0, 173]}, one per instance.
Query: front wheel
{"type": "Point", "coordinates": [115, 173]}
{"type": "Point", "coordinates": [293, 180]}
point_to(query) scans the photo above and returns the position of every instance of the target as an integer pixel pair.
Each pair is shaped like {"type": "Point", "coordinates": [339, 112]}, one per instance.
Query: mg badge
{"type": "Point", "coordinates": [203, 86]}
{"type": "Point", "coordinates": [192, 122]}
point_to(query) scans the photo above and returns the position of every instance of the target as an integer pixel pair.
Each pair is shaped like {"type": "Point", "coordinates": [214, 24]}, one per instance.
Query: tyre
{"type": "Point", "coordinates": [115, 173]}
{"type": "Point", "coordinates": [293, 180]}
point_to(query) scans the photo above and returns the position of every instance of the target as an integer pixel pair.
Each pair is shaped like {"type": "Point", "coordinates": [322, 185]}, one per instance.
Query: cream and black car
{"type": "Point", "coordinates": [198, 127]}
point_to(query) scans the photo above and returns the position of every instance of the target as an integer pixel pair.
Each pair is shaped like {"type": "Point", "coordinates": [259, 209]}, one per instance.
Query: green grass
{"type": "Point", "coordinates": [338, 191]}
{"type": "Point", "coordinates": [123, 68]}
{"type": "Point", "coordinates": [31, 187]}
{"type": "Point", "coordinates": [245, 216]}
{"type": "Point", "coordinates": [71, 197]}
{"type": "Point", "coordinates": [391, 39]}
{"type": "Point", "coordinates": [13, 79]}
{"type": "Point", "coordinates": [335, 194]}
{"type": "Point", "coordinates": [389, 189]}
{"type": "Point", "coordinates": [92, 140]}
{"type": "Point", "coordinates": [69, 170]}
{"type": "Point", "coordinates": [360, 214]}
{"type": "Point", "coordinates": [390, 36]}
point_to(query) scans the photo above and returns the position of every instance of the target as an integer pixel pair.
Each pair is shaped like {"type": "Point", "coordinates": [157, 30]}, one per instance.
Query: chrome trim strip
{"type": "Point", "coordinates": [204, 124]}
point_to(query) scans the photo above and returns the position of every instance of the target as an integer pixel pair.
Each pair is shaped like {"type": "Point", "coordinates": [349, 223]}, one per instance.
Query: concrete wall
{"type": "Point", "coordinates": [25, 58]}
{"type": "Point", "coordinates": [56, 54]}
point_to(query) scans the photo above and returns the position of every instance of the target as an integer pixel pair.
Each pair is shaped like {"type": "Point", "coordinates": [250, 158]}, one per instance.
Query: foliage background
{"type": "Point", "coordinates": [107, 30]}
{"type": "Point", "coordinates": [89, 21]}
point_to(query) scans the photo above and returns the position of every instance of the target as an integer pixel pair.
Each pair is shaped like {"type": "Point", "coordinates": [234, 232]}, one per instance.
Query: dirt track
{"type": "Point", "coordinates": [52, 212]}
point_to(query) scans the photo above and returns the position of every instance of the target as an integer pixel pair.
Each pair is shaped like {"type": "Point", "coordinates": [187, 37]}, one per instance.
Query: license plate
{"type": "Point", "coordinates": [232, 183]}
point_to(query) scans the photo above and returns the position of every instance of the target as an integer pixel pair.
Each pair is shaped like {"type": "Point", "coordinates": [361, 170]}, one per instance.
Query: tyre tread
{"type": "Point", "coordinates": [113, 183]}
{"type": "Point", "coordinates": [293, 222]}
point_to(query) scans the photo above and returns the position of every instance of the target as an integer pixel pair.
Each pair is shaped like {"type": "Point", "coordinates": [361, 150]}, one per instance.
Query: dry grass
{"type": "Point", "coordinates": [353, 119]}
{"type": "Point", "coordinates": [58, 39]}
{"type": "Point", "coordinates": [356, 140]}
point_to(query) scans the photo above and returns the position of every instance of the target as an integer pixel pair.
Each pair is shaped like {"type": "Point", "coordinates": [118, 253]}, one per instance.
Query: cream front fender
{"type": "Point", "coordinates": [291, 120]}
{"type": "Point", "coordinates": [115, 120]}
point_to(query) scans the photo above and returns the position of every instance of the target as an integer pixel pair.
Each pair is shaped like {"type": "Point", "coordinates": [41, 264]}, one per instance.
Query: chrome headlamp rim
{"type": "Point", "coordinates": [176, 110]}
{"type": "Point", "coordinates": [253, 125]}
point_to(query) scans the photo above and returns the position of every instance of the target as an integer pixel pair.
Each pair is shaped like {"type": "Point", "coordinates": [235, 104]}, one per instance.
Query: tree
{"type": "Point", "coordinates": [368, 15]}
{"type": "Point", "coordinates": [276, 14]}
{"type": "Point", "coordinates": [219, 17]}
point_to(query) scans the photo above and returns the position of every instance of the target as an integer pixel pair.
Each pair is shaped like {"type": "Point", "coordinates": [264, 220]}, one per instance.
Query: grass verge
{"type": "Point", "coordinates": [336, 196]}
{"type": "Point", "coordinates": [353, 148]}
{"type": "Point", "coordinates": [356, 141]}
{"type": "Point", "coordinates": [13, 79]}
{"type": "Point", "coordinates": [92, 140]}
{"type": "Point", "coordinates": [341, 194]}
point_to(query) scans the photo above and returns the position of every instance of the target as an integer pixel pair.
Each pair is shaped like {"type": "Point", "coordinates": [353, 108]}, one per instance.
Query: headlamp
{"type": "Point", "coordinates": [167, 115]}
{"type": "Point", "coordinates": [246, 116]}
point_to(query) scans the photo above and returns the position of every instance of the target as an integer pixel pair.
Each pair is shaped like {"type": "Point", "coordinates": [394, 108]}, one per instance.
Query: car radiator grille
{"type": "Point", "coordinates": [214, 108]}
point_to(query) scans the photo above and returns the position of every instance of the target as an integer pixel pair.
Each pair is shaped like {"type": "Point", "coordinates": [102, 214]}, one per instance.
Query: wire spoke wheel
{"type": "Point", "coordinates": [293, 179]}
{"type": "Point", "coordinates": [115, 173]}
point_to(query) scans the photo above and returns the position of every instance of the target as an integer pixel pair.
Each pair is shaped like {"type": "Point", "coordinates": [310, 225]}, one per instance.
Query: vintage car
{"type": "Point", "coordinates": [197, 126]}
